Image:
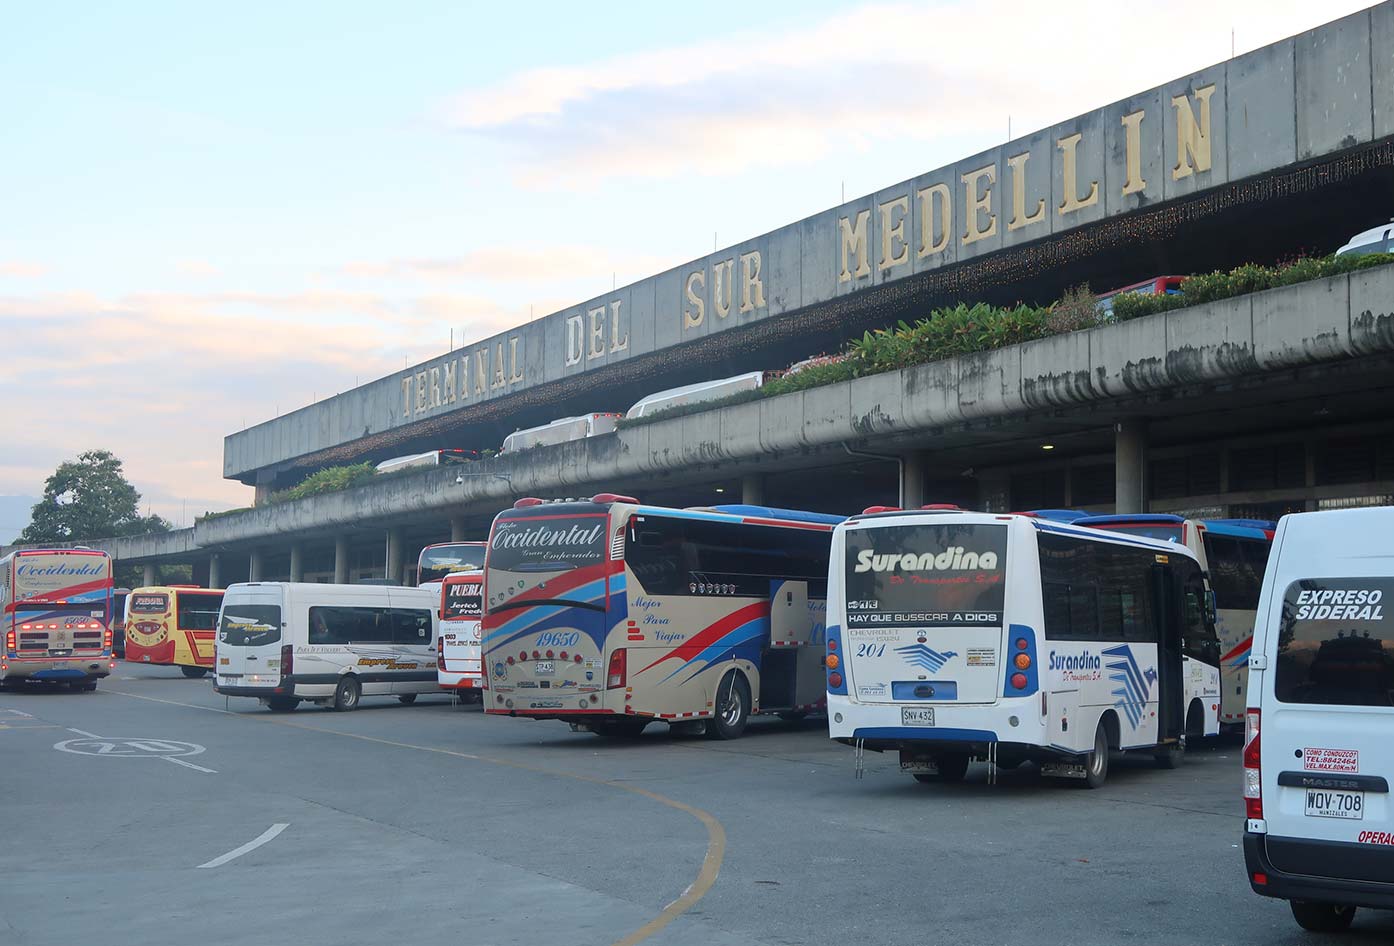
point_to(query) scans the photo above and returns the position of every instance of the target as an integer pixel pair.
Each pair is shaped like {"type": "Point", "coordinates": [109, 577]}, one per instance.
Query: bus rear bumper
{"type": "Point", "coordinates": [64, 670]}
{"type": "Point", "coordinates": [1334, 856]}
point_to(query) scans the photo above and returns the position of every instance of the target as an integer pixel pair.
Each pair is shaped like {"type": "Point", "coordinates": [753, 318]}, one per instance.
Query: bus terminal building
{"type": "Point", "coordinates": [1253, 406]}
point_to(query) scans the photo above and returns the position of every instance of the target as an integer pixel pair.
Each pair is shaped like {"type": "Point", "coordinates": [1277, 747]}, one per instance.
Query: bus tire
{"type": "Point", "coordinates": [1195, 721]}
{"type": "Point", "coordinates": [282, 704]}
{"type": "Point", "coordinates": [1096, 762]}
{"type": "Point", "coordinates": [193, 673]}
{"type": "Point", "coordinates": [89, 686]}
{"type": "Point", "coordinates": [1322, 917]}
{"type": "Point", "coordinates": [406, 699]}
{"type": "Point", "coordinates": [732, 710]}
{"type": "Point", "coordinates": [347, 694]}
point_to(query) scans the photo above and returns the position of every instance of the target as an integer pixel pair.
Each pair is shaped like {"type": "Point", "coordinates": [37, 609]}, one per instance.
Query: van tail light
{"type": "Point", "coordinates": [618, 674]}
{"type": "Point", "coordinates": [440, 653]}
{"type": "Point", "coordinates": [287, 660]}
{"type": "Point", "coordinates": [1253, 784]}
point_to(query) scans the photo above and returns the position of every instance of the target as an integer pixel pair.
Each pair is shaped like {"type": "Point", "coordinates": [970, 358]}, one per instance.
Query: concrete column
{"type": "Point", "coordinates": [297, 562]}
{"type": "Point", "coordinates": [215, 578]}
{"type": "Point", "coordinates": [254, 566]}
{"type": "Point", "coordinates": [149, 578]}
{"type": "Point", "coordinates": [457, 528]}
{"type": "Point", "coordinates": [1130, 466]}
{"type": "Point", "coordinates": [394, 556]}
{"type": "Point", "coordinates": [341, 560]}
{"type": "Point", "coordinates": [912, 474]}
{"type": "Point", "coordinates": [753, 489]}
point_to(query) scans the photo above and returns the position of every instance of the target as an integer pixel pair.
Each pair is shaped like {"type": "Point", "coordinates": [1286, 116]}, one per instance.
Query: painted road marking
{"type": "Point", "coordinates": [111, 747]}
{"type": "Point", "coordinates": [251, 845]}
{"type": "Point", "coordinates": [716, 833]}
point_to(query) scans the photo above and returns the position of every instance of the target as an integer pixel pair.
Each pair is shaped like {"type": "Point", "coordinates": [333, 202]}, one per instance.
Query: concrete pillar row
{"type": "Point", "coordinates": [254, 566]}
{"type": "Point", "coordinates": [457, 528]}
{"type": "Point", "coordinates": [297, 562]}
{"type": "Point", "coordinates": [1130, 466]}
{"type": "Point", "coordinates": [913, 466]}
{"type": "Point", "coordinates": [149, 576]}
{"type": "Point", "coordinates": [394, 556]}
{"type": "Point", "coordinates": [215, 578]}
{"type": "Point", "coordinates": [753, 489]}
{"type": "Point", "coordinates": [341, 560]}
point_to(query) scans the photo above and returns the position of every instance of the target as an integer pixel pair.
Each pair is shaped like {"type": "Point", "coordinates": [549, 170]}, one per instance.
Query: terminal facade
{"type": "Point", "coordinates": [1250, 407]}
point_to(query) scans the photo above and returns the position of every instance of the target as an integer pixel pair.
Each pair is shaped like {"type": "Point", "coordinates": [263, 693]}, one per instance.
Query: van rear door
{"type": "Point", "coordinates": [1327, 733]}
{"type": "Point", "coordinates": [248, 652]}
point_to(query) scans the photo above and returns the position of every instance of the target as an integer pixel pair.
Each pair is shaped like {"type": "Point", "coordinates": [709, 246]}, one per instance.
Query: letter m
{"type": "Point", "coordinates": [853, 240]}
{"type": "Point", "coordinates": [1192, 135]}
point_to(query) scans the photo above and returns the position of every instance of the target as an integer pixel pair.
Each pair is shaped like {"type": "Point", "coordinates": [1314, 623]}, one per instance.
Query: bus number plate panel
{"type": "Point", "coordinates": [545, 668]}
{"type": "Point", "coordinates": [1322, 803]}
{"type": "Point", "coordinates": [917, 716]}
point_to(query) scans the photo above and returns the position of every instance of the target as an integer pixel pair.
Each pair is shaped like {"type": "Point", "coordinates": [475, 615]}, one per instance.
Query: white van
{"type": "Point", "coordinates": [1319, 740]}
{"type": "Point", "coordinates": [283, 642]}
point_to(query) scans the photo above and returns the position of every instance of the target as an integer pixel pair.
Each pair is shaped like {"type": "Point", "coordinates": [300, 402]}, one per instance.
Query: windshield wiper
{"type": "Point", "coordinates": [513, 605]}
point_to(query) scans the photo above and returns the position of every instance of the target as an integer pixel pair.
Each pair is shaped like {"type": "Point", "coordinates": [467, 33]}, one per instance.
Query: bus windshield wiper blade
{"type": "Point", "coordinates": [563, 602]}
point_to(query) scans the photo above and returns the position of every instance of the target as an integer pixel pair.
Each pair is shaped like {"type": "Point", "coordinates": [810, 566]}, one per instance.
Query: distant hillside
{"type": "Point", "coordinates": [14, 516]}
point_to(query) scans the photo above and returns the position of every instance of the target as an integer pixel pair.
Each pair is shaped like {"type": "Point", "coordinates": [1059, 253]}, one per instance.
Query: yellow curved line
{"type": "Point", "coordinates": [716, 834]}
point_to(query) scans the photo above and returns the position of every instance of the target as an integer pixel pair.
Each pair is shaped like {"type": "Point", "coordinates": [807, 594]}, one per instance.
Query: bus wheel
{"type": "Point", "coordinates": [1170, 755]}
{"type": "Point", "coordinates": [1321, 917]}
{"type": "Point", "coordinates": [406, 699]}
{"type": "Point", "coordinates": [193, 673]}
{"type": "Point", "coordinates": [282, 704]}
{"type": "Point", "coordinates": [346, 694]}
{"type": "Point", "coordinates": [732, 708]}
{"type": "Point", "coordinates": [1096, 763]}
{"type": "Point", "coordinates": [952, 767]}
{"type": "Point", "coordinates": [90, 686]}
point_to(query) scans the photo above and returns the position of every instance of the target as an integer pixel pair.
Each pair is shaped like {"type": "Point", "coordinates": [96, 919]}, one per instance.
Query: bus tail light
{"type": "Point", "coordinates": [1023, 661]}
{"type": "Point", "coordinates": [287, 661]}
{"type": "Point", "coordinates": [831, 661]}
{"type": "Point", "coordinates": [1253, 783]}
{"type": "Point", "coordinates": [10, 641]}
{"type": "Point", "coordinates": [440, 653]}
{"type": "Point", "coordinates": [106, 639]}
{"type": "Point", "coordinates": [618, 673]}
{"type": "Point", "coordinates": [1019, 681]}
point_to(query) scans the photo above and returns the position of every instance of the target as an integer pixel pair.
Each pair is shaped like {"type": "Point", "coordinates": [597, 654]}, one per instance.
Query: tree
{"type": "Point", "coordinates": [89, 498]}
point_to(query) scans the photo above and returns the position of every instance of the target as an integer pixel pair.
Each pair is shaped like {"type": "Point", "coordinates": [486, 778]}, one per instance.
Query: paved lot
{"type": "Point", "coordinates": [431, 823]}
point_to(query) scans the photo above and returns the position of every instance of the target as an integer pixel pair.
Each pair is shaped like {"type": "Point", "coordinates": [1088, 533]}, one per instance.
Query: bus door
{"type": "Point", "coordinates": [786, 678]}
{"type": "Point", "coordinates": [1170, 672]}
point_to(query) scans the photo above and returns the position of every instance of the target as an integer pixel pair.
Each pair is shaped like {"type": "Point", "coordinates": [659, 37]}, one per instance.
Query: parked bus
{"type": "Point", "coordinates": [173, 626]}
{"type": "Point", "coordinates": [284, 642]}
{"type": "Point", "coordinates": [459, 666]}
{"type": "Point", "coordinates": [430, 458]}
{"type": "Point", "coordinates": [610, 614]}
{"type": "Point", "coordinates": [961, 636]}
{"type": "Point", "coordinates": [56, 611]}
{"type": "Point", "coordinates": [1233, 553]}
{"type": "Point", "coordinates": [696, 393]}
{"type": "Point", "coordinates": [447, 558]}
{"type": "Point", "coordinates": [118, 622]}
{"type": "Point", "coordinates": [560, 431]}
{"type": "Point", "coordinates": [1156, 286]}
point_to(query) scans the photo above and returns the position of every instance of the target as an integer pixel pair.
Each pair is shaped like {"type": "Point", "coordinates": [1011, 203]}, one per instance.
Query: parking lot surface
{"type": "Point", "coordinates": [155, 812]}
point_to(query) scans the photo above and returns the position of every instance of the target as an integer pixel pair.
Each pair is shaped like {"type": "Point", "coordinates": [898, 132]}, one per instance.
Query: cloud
{"type": "Point", "coordinates": [22, 269]}
{"type": "Point", "coordinates": [197, 267]}
{"type": "Point", "coordinates": [870, 76]}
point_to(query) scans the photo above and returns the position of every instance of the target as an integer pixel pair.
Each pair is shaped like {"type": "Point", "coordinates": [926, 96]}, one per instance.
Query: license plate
{"type": "Point", "coordinates": [1327, 804]}
{"type": "Point", "coordinates": [59, 653]}
{"type": "Point", "coordinates": [545, 668]}
{"type": "Point", "coordinates": [917, 716]}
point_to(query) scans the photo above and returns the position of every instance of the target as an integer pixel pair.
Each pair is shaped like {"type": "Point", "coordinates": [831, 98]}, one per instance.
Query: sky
{"type": "Point", "coordinates": [211, 215]}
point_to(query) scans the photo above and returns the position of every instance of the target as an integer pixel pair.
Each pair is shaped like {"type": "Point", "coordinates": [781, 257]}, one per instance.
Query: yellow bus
{"type": "Point", "coordinates": [173, 625]}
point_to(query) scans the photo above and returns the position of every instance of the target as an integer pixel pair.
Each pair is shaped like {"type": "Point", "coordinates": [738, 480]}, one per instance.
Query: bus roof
{"type": "Point", "coordinates": [1244, 528]}
{"type": "Point", "coordinates": [1154, 518]}
{"type": "Point", "coordinates": [774, 512]}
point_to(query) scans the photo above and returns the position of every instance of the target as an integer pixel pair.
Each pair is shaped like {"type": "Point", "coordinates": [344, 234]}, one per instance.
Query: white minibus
{"type": "Point", "coordinates": [563, 430]}
{"type": "Point", "coordinates": [695, 394]}
{"type": "Point", "coordinates": [1319, 730]}
{"type": "Point", "coordinates": [284, 642]}
{"type": "Point", "coordinates": [955, 636]}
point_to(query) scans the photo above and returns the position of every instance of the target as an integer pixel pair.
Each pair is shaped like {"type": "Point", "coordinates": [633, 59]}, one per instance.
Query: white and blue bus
{"type": "Point", "coordinates": [957, 636]}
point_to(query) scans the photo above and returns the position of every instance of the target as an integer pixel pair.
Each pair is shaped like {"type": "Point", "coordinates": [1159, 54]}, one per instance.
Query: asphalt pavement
{"type": "Point", "coordinates": [154, 811]}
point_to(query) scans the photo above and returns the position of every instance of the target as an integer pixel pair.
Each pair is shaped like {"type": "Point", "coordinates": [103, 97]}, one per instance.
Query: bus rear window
{"type": "Point", "coordinates": [198, 612]}
{"type": "Point", "coordinates": [464, 599]}
{"type": "Point", "coordinates": [250, 625]}
{"type": "Point", "coordinates": [149, 604]}
{"type": "Point", "coordinates": [1336, 642]}
{"type": "Point", "coordinates": [926, 575]}
{"type": "Point", "coordinates": [548, 543]}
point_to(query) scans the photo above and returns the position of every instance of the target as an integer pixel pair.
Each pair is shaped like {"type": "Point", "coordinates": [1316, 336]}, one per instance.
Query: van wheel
{"type": "Point", "coordinates": [1096, 762]}
{"type": "Point", "coordinates": [193, 673]}
{"type": "Point", "coordinates": [406, 699]}
{"type": "Point", "coordinates": [732, 708]}
{"type": "Point", "coordinates": [346, 694]}
{"type": "Point", "coordinates": [282, 704]}
{"type": "Point", "coordinates": [1322, 917]}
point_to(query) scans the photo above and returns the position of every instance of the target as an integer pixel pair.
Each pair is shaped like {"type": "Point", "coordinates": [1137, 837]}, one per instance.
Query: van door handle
{"type": "Point", "coordinates": [1351, 783]}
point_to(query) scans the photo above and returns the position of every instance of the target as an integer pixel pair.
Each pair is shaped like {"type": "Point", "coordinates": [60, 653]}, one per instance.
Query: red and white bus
{"type": "Point", "coordinates": [447, 558]}
{"type": "Point", "coordinates": [56, 610]}
{"type": "Point", "coordinates": [610, 614]}
{"type": "Point", "coordinates": [459, 666]}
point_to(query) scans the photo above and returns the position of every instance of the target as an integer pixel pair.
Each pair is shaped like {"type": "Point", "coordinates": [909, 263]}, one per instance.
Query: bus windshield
{"type": "Point", "coordinates": [437, 561]}
{"type": "Point", "coordinates": [933, 575]}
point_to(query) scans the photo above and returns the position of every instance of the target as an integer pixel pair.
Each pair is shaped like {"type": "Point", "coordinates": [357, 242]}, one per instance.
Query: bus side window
{"type": "Point", "coordinates": [1200, 640]}
{"type": "Point", "coordinates": [411, 626]}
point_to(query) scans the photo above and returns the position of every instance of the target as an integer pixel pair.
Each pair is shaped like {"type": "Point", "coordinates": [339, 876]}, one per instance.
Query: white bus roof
{"type": "Point", "coordinates": [694, 393]}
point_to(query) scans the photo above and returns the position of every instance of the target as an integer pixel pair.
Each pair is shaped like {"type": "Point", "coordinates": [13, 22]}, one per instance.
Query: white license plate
{"type": "Point", "coordinates": [545, 668]}
{"type": "Point", "coordinates": [1327, 804]}
{"type": "Point", "coordinates": [917, 716]}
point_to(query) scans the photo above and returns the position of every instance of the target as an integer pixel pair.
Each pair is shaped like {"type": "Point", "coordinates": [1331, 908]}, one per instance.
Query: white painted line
{"type": "Point", "coordinates": [251, 845]}
{"type": "Point", "coordinates": [188, 765]}
{"type": "Point", "coordinates": [81, 733]}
